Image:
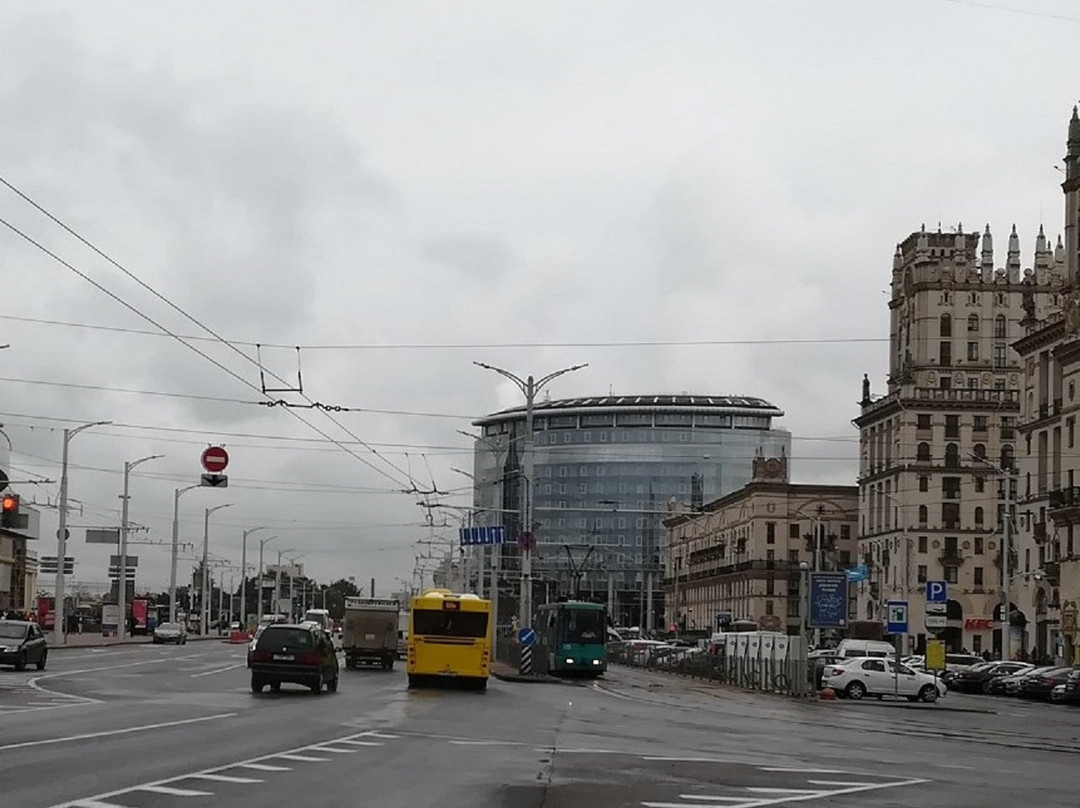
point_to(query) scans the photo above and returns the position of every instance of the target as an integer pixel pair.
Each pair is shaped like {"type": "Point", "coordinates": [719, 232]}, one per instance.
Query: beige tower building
{"type": "Point", "coordinates": [932, 446]}
{"type": "Point", "coordinates": [1044, 580]}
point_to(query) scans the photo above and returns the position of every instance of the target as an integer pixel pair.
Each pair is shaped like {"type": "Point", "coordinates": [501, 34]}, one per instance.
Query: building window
{"type": "Point", "coordinates": [768, 606]}
{"type": "Point", "coordinates": [982, 423]}
{"type": "Point", "coordinates": [921, 574]}
{"type": "Point", "coordinates": [793, 607]}
{"type": "Point", "coordinates": [1008, 425]}
{"type": "Point", "coordinates": [952, 456]}
{"type": "Point", "coordinates": [973, 352]}
{"type": "Point", "coordinates": [922, 421]}
{"type": "Point", "coordinates": [946, 325]}
{"type": "Point", "coordinates": [950, 515]}
{"type": "Point", "coordinates": [923, 515]}
{"type": "Point", "coordinates": [999, 355]}
{"type": "Point", "coordinates": [770, 586]}
{"type": "Point", "coordinates": [978, 576]}
{"type": "Point", "coordinates": [950, 487]}
{"type": "Point", "coordinates": [1070, 431]}
{"type": "Point", "coordinates": [845, 532]}
{"type": "Point", "coordinates": [922, 453]}
{"type": "Point", "coordinates": [793, 530]}
{"type": "Point", "coordinates": [980, 485]}
{"type": "Point", "coordinates": [950, 575]}
{"type": "Point", "coordinates": [793, 556]}
{"type": "Point", "coordinates": [973, 322]}
{"type": "Point", "coordinates": [922, 544]}
{"type": "Point", "coordinates": [924, 483]}
{"type": "Point", "coordinates": [770, 532]}
{"type": "Point", "coordinates": [979, 450]}
{"type": "Point", "coordinates": [1006, 456]}
{"type": "Point", "coordinates": [999, 327]}
{"type": "Point", "coordinates": [945, 354]}
{"type": "Point", "coordinates": [952, 426]}
{"type": "Point", "coordinates": [976, 643]}
{"type": "Point", "coordinates": [978, 539]}
{"type": "Point", "coordinates": [978, 521]}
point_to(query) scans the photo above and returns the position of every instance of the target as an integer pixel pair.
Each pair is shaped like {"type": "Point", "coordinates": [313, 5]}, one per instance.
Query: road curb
{"type": "Point", "coordinates": [937, 707]}
{"type": "Point", "coordinates": [527, 678]}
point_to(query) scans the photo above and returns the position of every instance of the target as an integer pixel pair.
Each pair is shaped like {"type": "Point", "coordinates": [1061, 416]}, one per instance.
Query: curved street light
{"type": "Point", "coordinates": [204, 605]}
{"type": "Point", "coordinates": [121, 567]}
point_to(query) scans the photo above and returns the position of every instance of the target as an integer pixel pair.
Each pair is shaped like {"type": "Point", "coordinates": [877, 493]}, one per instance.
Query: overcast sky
{"type": "Point", "coordinates": [434, 174]}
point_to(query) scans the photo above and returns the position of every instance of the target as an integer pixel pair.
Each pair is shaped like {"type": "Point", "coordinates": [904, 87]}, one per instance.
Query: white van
{"type": "Point", "coordinates": [320, 616]}
{"type": "Point", "coordinates": [865, 648]}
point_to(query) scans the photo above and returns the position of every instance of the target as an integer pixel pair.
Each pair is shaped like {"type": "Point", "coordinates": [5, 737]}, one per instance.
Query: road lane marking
{"type": "Point", "coordinates": [692, 797]}
{"type": "Point", "coordinates": [375, 734]}
{"type": "Point", "coordinates": [766, 790]}
{"type": "Point", "coordinates": [227, 778]}
{"type": "Point", "coordinates": [108, 733]}
{"type": "Point", "coordinates": [263, 767]}
{"type": "Point", "coordinates": [336, 751]}
{"type": "Point", "coordinates": [96, 804]}
{"type": "Point", "coordinates": [795, 770]}
{"type": "Point", "coordinates": [303, 758]}
{"type": "Point", "coordinates": [176, 792]}
{"type": "Point", "coordinates": [360, 743]}
{"type": "Point", "coordinates": [685, 759]}
{"type": "Point", "coordinates": [217, 670]}
{"type": "Point", "coordinates": [487, 743]}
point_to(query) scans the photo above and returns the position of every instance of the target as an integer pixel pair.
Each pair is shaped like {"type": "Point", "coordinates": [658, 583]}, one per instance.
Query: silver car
{"type": "Point", "coordinates": [170, 632]}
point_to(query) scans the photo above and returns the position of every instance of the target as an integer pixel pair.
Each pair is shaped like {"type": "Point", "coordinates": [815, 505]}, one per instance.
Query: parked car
{"type": "Point", "coordinates": [301, 655]}
{"type": "Point", "coordinates": [979, 678]}
{"type": "Point", "coordinates": [23, 643]}
{"type": "Point", "coordinates": [1040, 686]}
{"type": "Point", "coordinates": [877, 676]}
{"type": "Point", "coordinates": [819, 661]}
{"type": "Point", "coordinates": [1068, 692]}
{"type": "Point", "coordinates": [1010, 685]}
{"type": "Point", "coordinates": [170, 632]}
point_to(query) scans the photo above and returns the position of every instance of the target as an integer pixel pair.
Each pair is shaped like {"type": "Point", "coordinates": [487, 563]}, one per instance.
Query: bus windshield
{"type": "Point", "coordinates": [584, 626]}
{"type": "Point", "coordinates": [439, 623]}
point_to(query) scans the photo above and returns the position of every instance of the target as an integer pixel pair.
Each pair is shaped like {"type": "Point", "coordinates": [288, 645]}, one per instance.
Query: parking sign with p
{"type": "Point", "coordinates": [937, 592]}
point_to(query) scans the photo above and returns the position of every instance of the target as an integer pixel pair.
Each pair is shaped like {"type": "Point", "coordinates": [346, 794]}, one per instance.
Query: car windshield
{"type": "Point", "coordinates": [169, 627]}
{"type": "Point", "coordinates": [12, 631]}
{"type": "Point", "coordinates": [279, 637]}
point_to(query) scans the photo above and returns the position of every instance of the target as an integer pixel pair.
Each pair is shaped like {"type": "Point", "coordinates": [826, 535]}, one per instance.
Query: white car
{"type": "Point", "coordinates": [876, 676]}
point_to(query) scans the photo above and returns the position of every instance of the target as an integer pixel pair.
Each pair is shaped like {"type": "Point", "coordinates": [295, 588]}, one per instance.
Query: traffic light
{"type": "Point", "coordinates": [9, 505]}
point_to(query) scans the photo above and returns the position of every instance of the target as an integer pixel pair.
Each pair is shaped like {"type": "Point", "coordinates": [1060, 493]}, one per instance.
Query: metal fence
{"type": "Point", "coordinates": [787, 677]}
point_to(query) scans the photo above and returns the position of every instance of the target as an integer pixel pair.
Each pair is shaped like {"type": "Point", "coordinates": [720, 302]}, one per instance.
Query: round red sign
{"type": "Point", "coordinates": [215, 459]}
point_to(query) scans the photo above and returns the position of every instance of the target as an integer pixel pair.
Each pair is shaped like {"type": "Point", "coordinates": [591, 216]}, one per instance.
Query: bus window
{"type": "Point", "coordinates": [449, 624]}
{"type": "Point", "coordinates": [584, 626]}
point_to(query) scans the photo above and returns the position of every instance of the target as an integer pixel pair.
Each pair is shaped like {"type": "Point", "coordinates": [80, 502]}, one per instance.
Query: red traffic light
{"type": "Point", "coordinates": [10, 503]}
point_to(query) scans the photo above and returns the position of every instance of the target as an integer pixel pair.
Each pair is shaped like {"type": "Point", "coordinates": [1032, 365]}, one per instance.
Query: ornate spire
{"type": "Point", "coordinates": [1059, 251]}
{"type": "Point", "coordinates": [987, 253]}
{"type": "Point", "coordinates": [1074, 134]}
{"type": "Point", "coordinates": [898, 258]}
{"type": "Point", "coordinates": [1040, 242]}
{"type": "Point", "coordinates": [1014, 250]}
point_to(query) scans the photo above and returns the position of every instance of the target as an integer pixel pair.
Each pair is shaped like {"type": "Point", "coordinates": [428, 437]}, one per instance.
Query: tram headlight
{"type": "Point", "coordinates": [596, 662]}
{"type": "Point", "coordinates": [569, 661]}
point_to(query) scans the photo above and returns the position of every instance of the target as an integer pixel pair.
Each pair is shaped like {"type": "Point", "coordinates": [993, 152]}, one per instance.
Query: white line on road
{"type": "Point", "coordinates": [176, 792]}
{"type": "Point", "coordinates": [486, 743]}
{"type": "Point", "coordinates": [303, 758]}
{"type": "Point", "coordinates": [766, 790]}
{"type": "Point", "coordinates": [953, 766]}
{"type": "Point", "coordinates": [227, 778]}
{"type": "Point", "coordinates": [265, 767]}
{"type": "Point", "coordinates": [111, 732]}
{"type": "Point", "coordinates": [376, 734]}
{"type": "Point", "coordinates": [711, 799]}
{"type": "Point", "coordinates": [95, 804]}
{"type": "Point", "coordinates": [360, 743]}
{"type": "Point", "coordinates": [795, 770]}
{"type": "Point", "coordinates": [686, 759]}
{"type": "Point", "coordinates": [336, 751]}
{"type": "Point", "coordinates": [217, 670]}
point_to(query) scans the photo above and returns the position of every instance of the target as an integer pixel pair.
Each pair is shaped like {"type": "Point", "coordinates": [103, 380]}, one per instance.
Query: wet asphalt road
{"type": "Point", "coordinates": [177, 727]}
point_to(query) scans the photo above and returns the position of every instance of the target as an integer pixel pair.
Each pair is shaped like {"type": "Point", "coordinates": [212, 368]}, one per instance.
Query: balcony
{"type": "Point", "coordinates": [1064, 498]}
{"type": "Point", "coordinates": [968, 395]}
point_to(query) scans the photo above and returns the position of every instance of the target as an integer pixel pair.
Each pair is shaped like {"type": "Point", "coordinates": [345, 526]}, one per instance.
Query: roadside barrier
{"type": "Point", "coordinates": [749, 674]}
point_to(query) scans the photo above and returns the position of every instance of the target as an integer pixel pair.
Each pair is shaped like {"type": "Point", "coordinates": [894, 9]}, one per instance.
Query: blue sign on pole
{"type": "Point", "coordinates": [896, 617]}
{"type": "Point", "coordinates": [527, 636]}
{"type": "Point", "coordinates": [856, 574]}
{"type": "Point", "coordinates": [937, 592]}
{"type": "Point", "coordinates": [828, 599]}
{"type": "Point", "coordinates": [471, 536]}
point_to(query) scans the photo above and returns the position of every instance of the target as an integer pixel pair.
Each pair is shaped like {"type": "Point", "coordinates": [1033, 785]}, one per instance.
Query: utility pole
{"type": "Point", "coordinates": [175, 549]}
{"type": "Point", "coordinates": [121, 576]}
{"type": "Point", "coordinates": [59, 629]}
{"type": "Point", "coordinates": [204, 603]}
{"type": "Point", "coordinates": [243, 576]}
{"type": "Point", "coordinates": [529, 388]}
{"type": "Point", "coordinates": [262, 544]}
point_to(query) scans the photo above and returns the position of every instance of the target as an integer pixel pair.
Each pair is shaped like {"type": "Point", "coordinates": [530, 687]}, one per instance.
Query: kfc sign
{"type": "Point", "coordinates": [979, 624]}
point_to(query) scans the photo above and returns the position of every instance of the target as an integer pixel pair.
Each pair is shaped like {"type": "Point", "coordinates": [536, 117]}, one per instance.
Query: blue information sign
{"type": "Point", "coordinates": [828, 599]}
{"type": "Point", "coordinates": [937, 592]}
{"type": "Point", "coordinates": [527, 636]}
{"type": "Point", "coordinates": [896, 617]}
{"type": "Point", "coordinates": [495, 534]}
{"type": "Point", "coordinates": [859, 573]}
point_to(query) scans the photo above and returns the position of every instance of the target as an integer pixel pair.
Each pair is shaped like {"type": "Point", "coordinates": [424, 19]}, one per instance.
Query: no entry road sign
{"type": "Point", "coordinates": [215, 459]}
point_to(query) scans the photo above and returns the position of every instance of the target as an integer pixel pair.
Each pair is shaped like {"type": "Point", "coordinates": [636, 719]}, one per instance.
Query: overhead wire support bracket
{"type": "Point", "coordinates": [299, 389]}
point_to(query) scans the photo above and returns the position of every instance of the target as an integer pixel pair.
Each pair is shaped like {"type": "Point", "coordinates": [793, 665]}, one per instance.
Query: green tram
{"type": "Point", "coordinates": [573, 636]}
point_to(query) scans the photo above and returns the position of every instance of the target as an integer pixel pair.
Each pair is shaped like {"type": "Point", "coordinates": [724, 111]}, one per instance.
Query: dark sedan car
{"type": "Point", "coordinates": [1010, 685]}
{"type": "Point", "coordinates": [1068, 692]}
{"type": "Point", "coordinates": [22, 644]}
{"type": "Point", "coordinates": [170, 632]}
{"type": "Point", "coordinates": [301, 654]}
{"type": "Point", "coordinates": [980, 678]}
{"type": "Point", "coordinates": [1041, 685]}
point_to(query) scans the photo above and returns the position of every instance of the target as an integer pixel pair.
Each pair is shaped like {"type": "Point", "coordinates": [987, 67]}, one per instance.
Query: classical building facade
{"type": "Point", "coordinates": [1045, 583]}
{"type": "Point", "coordinates": [739, 556]}
{"type": "Point", "coordinates": [935, 447]}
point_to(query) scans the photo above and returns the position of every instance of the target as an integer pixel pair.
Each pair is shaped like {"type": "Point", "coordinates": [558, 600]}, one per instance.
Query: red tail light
{"type": "Point", "coordinates": [311, 658]}
{"type": "Point", "coordinates": [261, 656]}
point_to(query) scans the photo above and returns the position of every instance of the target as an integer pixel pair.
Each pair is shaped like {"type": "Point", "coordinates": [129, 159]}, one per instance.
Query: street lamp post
{"type": "Point", "coordinates": [277, 579]}
{"type": "Point", "coordinates": [59, 629]}
{"type": "Point", "coordinates": [204, 604]}
{"type": "Point", "coordinates": [529, 388]}
{"type": "Point", "coordinates": [243, 577]}
{"type": "Point", "coordinates": [904, 585]}
{"type": "Point", "coordinates": [262, 544]}
{"type": "Point", "coordinates": [175, 549]}
{"type": "Point", "coordinates": [121, 573]}
{"type": "Point", "coordinates": [292, 581]}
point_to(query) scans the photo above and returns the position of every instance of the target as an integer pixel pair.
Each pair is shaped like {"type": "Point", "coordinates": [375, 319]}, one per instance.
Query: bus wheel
{"type": "Point", "coordinates": [414, 681]}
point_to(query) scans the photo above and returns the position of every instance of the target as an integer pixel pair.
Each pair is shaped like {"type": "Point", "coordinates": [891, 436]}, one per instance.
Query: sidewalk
{"type": "Point", "coordinates": [508, 673]}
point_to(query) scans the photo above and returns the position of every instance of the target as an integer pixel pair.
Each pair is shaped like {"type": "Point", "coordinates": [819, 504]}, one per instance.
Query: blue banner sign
{"type": "Point", "coordinates": [471, 536]}
{"type": "Point", "coordinates": [828, 599]}
{"type": "Point", "coordinates": [859, 573]}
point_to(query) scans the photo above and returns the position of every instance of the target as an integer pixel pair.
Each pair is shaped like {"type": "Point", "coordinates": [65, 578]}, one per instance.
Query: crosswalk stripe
{"type": "Point", "coordinates": [301, 758]}
{"type": "Point", "coordinates": [94, 804]}
{"type": "Point", "coordinates": [361, 743]}
{"type": "Point", "coordinates": [227, 778]}
{"type": "Point", "coordinates": [336, 751]}
{"type": "Point", "coordinates": [265, 767]}
{"type": "Point", "coordinates": [175, 792]}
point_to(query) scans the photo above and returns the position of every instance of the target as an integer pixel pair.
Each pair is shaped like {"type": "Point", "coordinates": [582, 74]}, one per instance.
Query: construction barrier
{"type": "Point", "coordinates": [239, 637]}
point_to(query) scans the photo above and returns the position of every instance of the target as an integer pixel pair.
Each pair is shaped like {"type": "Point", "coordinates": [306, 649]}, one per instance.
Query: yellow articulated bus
{"type": "Point", "coordinates": [449, 639]}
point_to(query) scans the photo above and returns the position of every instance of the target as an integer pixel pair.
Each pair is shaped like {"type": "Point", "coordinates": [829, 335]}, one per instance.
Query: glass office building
{"type": "Point", "coordinates": [605, 471]}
